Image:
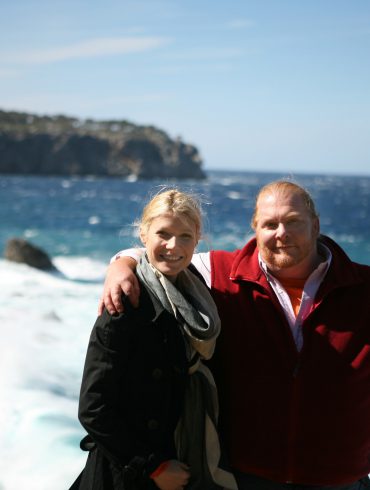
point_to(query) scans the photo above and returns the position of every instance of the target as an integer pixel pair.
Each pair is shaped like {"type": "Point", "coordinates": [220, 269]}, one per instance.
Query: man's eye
{"type": "Point", "coordinates": [294, 222]}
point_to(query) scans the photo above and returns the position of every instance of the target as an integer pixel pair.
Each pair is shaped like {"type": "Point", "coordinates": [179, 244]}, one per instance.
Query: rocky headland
{"type": "Point", "coordinates": [58, 145]}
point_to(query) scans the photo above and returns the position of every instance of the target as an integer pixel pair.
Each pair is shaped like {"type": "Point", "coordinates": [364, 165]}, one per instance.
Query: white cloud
{"type": "Point", "coordinates": [89, 49]}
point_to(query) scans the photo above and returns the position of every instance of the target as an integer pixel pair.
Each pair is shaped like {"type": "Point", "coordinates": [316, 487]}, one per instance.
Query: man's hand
{"type": "Point", "coordinates": [174, 477]}
{"type": "Point", "coordinates": [120, 278]}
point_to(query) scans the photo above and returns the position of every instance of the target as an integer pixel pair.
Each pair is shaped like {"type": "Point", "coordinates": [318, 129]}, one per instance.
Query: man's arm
{"type": "Point", "coordinates": [202, 262]}
{"type": "Point", "coordinates": [122, 278]}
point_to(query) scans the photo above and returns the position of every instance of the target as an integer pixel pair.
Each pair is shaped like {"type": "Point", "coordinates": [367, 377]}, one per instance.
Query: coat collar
{"type": "Point", "coordinates": [342, 271]}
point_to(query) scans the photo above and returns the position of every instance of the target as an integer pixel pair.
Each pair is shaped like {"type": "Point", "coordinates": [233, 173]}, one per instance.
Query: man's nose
{"type": "Point", "coordinates": [281, 231]}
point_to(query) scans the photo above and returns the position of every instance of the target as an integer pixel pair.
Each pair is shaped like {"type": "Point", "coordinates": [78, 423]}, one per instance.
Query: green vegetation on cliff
{"type": "Point", "coordinates": [61, 145]}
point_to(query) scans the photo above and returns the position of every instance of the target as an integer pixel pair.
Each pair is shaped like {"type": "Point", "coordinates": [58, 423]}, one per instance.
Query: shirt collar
{"type": "Point", "coordinates": [321, 269]}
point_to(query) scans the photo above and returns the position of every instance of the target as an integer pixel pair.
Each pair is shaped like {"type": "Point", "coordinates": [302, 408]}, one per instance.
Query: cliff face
{"type": "Point", "coordinates": [59, 145]}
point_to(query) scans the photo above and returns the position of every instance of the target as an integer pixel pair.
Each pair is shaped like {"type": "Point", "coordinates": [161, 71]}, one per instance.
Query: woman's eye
{"type": "Point", "coordinates": [271, 225]}
{"type": "Point", "coordinates": [163, 234]}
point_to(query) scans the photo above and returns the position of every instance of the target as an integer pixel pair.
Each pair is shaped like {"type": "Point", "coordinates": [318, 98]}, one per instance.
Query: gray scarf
{"type": "Point", "coordinates": [189, 301]}
{"type": "Point", "coordinates": [196, 313]}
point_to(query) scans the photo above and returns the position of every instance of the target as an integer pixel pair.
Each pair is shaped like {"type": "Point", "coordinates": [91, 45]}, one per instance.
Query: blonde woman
{"type": "Point", "coordinates": [147, 402]}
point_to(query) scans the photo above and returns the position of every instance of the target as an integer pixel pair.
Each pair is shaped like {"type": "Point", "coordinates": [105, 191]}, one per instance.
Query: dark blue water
{"type": "Point", "coordinates": [93, 217]}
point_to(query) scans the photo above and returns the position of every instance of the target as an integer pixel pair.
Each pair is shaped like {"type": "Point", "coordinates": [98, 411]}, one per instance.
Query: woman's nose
{"type": "Point", "coordinates": [171, 243]}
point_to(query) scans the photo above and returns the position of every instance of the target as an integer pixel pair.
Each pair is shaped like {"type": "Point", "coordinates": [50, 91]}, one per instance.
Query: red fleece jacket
{"type": "Point", "coordinates": [289, 416]}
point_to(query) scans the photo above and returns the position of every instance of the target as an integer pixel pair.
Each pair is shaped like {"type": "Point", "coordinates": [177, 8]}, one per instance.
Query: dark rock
{"type": "Point", "coordinates": [44, 145]}
{"type": "Point", "coordinates": [19, 250]}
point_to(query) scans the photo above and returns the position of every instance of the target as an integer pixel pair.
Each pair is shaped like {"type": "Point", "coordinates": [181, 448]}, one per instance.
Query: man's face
{"type": "Point", "coordinates": [286, 234]}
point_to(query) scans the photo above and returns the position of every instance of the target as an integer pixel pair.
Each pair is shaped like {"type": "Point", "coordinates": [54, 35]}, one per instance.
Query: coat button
{"type": "Point", "coordinates": [153, 424]}
{"type": "Point", "coordinates": [157, 374]}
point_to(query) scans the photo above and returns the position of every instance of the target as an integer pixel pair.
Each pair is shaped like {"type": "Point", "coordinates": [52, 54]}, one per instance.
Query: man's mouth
{"type": "Point", "coordinates": [285, 247]}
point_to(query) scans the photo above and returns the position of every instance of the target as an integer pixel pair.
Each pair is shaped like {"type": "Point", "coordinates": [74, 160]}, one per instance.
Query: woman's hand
{"type": "Point", "coordinates": [120, 278]}
{"type": "Point", "coordinates": [174, 477]}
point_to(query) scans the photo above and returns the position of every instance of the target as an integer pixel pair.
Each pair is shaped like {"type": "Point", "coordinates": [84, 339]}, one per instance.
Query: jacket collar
{"type": "Point", "coordinates": [245, 266]}
{"type": "Point", "coordinates": [342, 271]}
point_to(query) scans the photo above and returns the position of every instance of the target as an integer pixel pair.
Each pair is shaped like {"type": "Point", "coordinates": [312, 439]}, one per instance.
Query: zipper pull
{"type": "Point", "coordinates": [297, 368]}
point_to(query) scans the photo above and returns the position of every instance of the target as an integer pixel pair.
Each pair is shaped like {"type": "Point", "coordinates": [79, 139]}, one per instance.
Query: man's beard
{"type": "Point", "coordinates": [283, 259]}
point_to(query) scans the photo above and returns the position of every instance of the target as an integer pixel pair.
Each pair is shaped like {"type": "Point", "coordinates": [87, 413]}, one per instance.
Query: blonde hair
{"type": "Point", "coordinates": [178, 203]}
{"type": "Point", "coordinates": [284, 187]}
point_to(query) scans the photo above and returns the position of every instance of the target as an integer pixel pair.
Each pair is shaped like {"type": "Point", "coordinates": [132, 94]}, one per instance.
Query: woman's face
{"type": "Point", "coordinates": [170, 242]}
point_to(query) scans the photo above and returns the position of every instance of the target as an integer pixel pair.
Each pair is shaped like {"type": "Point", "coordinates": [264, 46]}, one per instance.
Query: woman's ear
{"type": "Point", "coordinates": [142, 236]}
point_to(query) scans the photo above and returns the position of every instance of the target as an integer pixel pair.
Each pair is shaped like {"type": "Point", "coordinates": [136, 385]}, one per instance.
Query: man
{"type": "Point", "coordinates": [292, 363]}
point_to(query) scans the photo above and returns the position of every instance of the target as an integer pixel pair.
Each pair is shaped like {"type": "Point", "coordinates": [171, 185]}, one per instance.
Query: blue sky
{"type": "Point", "coordinates": [276, 85]}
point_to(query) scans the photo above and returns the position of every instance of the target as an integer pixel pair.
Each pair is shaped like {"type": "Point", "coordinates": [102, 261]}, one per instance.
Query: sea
{"type": "Point", "coordinates": [46, 317]}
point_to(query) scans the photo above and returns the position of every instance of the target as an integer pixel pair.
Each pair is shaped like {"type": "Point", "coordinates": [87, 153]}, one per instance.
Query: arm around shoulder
{"type": "Point", "coordinates": [120, 279]}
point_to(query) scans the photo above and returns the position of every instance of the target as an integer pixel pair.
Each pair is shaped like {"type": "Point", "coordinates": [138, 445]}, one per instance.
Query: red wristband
{"type": "Point", "coordinates": [160, 469]}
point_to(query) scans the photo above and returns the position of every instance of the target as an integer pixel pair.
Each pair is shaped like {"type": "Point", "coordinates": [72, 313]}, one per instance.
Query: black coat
{"type": "Point", "coordinates": [132, 395]}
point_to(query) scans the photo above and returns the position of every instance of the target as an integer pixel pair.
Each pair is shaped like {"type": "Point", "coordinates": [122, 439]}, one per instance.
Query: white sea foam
{"type": "Point", "coordinates": [234, 195]}
{"type": "Point", "coordinates": [45, 322]}
{"type": "Point", "coordinates": [82, 268]}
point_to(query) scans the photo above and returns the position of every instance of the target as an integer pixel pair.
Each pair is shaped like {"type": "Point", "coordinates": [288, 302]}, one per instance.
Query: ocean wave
{"type": "Point", "coordinates": [81, 268]}
{"type": "Point", "coordinates": [47, 320]}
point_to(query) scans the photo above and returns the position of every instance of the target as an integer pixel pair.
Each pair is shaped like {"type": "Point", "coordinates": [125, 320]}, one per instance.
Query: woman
{"type": "Point", "coordinates": [147, 402]}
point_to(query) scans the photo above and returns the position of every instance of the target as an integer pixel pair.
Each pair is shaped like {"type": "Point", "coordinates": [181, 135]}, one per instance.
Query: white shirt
{"type": "Point", "coordinates": [310, 288]}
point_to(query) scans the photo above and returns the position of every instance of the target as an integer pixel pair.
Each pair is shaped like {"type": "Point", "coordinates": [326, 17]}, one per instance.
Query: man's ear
{"type": "Point", "coordinates": [316, 226]}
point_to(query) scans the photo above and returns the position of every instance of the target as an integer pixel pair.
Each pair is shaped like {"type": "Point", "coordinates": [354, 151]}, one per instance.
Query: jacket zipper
{"type": "Point", "coordinates": [293, 425]}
